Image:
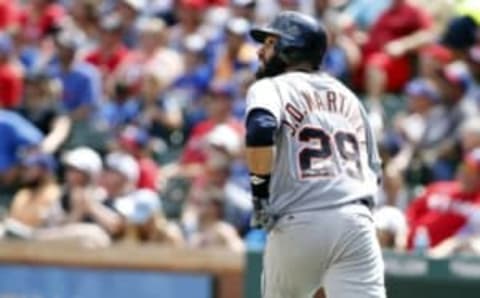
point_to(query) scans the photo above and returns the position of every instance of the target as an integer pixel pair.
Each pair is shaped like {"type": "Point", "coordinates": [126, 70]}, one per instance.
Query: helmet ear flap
{"type": "Point", "coordinates": [290, 55]}
{"type": "Point", "coordinates": [285, 53]}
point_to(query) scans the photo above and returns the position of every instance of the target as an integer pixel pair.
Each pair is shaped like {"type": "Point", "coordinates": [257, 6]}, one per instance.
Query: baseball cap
{"type": "Point", "coordinates": [424, 88]}
{"type": "Point", "coordinates": [238, 26]}
{"type": "Point", "coordinates": [225, 137]}
{"type": "Point", "coordinates": [124, 164]}
{"type": "Point", "coordinates": [139, 206]}
{"type": "Point", "coordinates": [194, 43]}
{"type": "Point", "coordinates": [83, 159]}
{"type": "Point", "coordinates": [460, 33]}
{"type": "Point", "coordinates": [46, 161]}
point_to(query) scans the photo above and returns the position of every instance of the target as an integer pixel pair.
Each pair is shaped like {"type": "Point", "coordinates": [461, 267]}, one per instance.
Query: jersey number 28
{"type": "Point", "coordinates": [314, 157]}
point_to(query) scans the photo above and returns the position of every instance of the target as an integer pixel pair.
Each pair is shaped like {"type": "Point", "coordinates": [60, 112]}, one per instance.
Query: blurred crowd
{"type": "Point", "coordinates": [121, 120]}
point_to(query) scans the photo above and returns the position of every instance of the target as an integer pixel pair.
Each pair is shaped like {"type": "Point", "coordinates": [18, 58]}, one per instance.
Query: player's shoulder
{"type": "Point", "coordinates": [261, 85]}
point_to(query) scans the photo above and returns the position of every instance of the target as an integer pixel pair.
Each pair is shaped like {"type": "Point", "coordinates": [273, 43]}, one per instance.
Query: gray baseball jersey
{"type": "Point", "coordinates": [326, 151]}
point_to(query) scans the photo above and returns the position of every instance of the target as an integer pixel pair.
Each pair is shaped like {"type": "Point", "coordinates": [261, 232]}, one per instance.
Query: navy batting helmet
{"type": "Point", "coordinates": [301, 37]}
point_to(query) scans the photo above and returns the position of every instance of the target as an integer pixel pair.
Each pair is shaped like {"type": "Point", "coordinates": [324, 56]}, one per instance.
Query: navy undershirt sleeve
{"type": "Point", "coordinates": [261, 127]}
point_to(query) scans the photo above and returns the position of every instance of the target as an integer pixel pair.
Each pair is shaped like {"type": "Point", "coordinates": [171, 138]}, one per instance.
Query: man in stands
{"type": "Point", "coordinates": [444, 208]}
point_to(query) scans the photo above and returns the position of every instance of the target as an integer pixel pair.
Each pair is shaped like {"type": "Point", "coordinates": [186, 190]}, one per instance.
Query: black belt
{"type": "Point", "coordinates": [366, 201]}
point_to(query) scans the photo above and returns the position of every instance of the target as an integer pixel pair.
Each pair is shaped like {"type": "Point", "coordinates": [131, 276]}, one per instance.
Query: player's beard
{"type": "Point", "coordinates": [272, 67]}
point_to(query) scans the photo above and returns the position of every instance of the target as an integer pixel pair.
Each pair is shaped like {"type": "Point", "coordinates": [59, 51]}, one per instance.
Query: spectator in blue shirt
{"type": "Point", "coordinates": [189, 88]}
{"type": "Point", "coordinates": [81, 82]}
{"type": "Point", "coordinates": [120, 110]}
{"type": "Point", "coordinates": [17, 134]}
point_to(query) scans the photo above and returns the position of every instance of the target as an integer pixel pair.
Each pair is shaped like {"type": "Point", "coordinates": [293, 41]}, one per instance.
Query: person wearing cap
{"type": "Point", "coordinates": [111, 51]}
{"type": "Point", "coordinates": [146, 221]}
{"type": "Point", "coordinates": [238, 54]}
{"type": "Point", "coordinates": [210, 229]}
{"type": "Point", "coordinates": [81, 82]}
{"type": "Point", "coordinates": [118, 180]}
{"type": "Point", "coordinates": [444, 208]}
{"type": "Point", "coordinates": [89, 207]}
{"type": "Point", "coordinates": [33, 204]}
{"type": "Point", "coordinates": [136, 141]}
{"type": "Point", "coordinates": [68, 219]}
{"type": "Point", "coordinates": [81, 168]}
{"type": "Point", "coordinates": [11, 77]}
{"type": "Point", "coordinates": [459, 35]}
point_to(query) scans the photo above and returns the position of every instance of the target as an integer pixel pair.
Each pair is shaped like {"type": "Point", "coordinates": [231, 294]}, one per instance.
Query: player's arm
{"type": "Point", "coordinates": [260, 153]}
{"type": "Point", "coordinates": [261, 129]}
{"type": "Point", "coordinates": [262, 123]}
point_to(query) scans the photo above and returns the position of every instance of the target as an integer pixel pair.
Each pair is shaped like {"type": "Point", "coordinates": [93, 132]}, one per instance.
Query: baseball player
{"type": "Point", "coordinates": [314, 169]}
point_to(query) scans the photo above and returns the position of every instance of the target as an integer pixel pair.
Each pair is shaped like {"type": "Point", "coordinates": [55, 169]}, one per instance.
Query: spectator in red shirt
{"type": "Point", "coordinates": [110, 51]}
{"type": "Point", "coordinates": [11, 81]}
{"type": "Point", "coordinates": [402, 28]}
{"type": "Point", "coordinates": [40, 17]}
{"type": "Point", "coordinates": [444, 207]}
{"type": "Point", "coordinates": [8, 13]}
{"type": "Point", "coordinates": [135, 141]}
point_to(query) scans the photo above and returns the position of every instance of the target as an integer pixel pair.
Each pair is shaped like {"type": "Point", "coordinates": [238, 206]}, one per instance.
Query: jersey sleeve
{"type": "Point", "coordinates": [374, 159]}
{"type": "Point", "coordinates": [265, 95]}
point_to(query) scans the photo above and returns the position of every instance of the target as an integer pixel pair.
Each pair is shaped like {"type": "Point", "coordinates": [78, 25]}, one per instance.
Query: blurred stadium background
{"type": "Point", "coordinates": [121, 142]}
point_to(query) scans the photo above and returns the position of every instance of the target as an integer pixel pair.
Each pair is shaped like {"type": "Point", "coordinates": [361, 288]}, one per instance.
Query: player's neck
{"type": "Point", "coordinates": [302, 67]}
